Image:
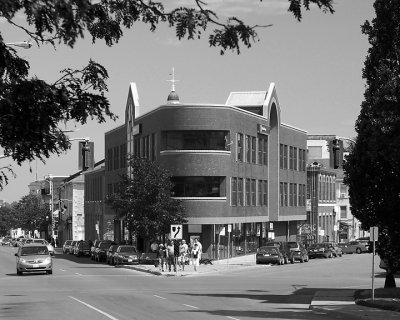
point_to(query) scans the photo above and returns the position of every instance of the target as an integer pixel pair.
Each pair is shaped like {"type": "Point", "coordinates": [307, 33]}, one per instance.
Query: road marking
{"type": "Point", "coordinates": [159, 297]}
{"type": "Point", "coordinates": [79, 274]}
{"type": "Point", "coordinates": [94, 308]}
{"type": "Point", "coordinates": [232, 318]}
{"type": "Point", "coordinates": [63, 270]}
{"type": "Point", "coordinates": [188, 305]}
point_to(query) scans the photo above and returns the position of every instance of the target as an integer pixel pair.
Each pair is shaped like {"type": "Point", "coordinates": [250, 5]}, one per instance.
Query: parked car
{"type": "Point", "coordinates": [283, 248]}
{"type": "Point", "coordinates": [269, 254]}
{"type": "Point", "coordinates": [338, 252]}
{"type": "Point", "coordinates": [94, 247]}
{"type": "Point", "coordinates": [6, 241]}
{"type": "Point", "coordinates": [321, 250]}
{"type": "Point", "coordinates": [367, 242]}
{"type": "Point", "coordinates": [72, 247]}
{"type": "Point", "coordinates": [353, 247]}
{"type": "Point", "coordinates": [110, 253]}
{"type": "Point", "coordinates": [100, 253]}
{"type": "Point", "coordinates": [42, 241]}
{"type": "Point", "coordinates": [66, 246]}
{"type": "Point", "coordinates": [82, 248]}
{"type": "Point", "coordinates": [297, 252]}
{"type": "Point", "coordinates": [34, 258]}
{"type": "Point", "coordinates": [126, 254]}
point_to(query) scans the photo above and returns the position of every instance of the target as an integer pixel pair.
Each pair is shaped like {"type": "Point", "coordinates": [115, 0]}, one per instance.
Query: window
{"type": "Point", "coordinates": [291, 157]}
{"type": "Point", "coordinates": [295, 159]}
{"type": "Point", "coordinates": [265, 151]}
{"type": "Point", "coordinates": [109, 159]}
{"type": "Point", "coordinates": [260, 150]}
{"type": "Point", "coordinates": [234, 191]}
{"type": "Point", "coordinates": [343, 212]}
{"type": "Point", "coordinates": [198, 186]}
{"type": "Point", "coordinates": [116, 158]}
{"type": "Point", "coordinates": [248, 149]}
{"type": "Point", "coordinates": [248, 194]}
{"type": "Point", "coordinates": [239, 147]}
{"type": "Point", "coordinates": [260, 193]}
{"type": "Point", "coordinates": [137, 147]}
{"type": "Point", "coordinates": [194, 140]}
{"type": "Point", "coordinates": [240, 192]}
{"type": "Point", "coordinates": [283, 156]}
{"type": "Point", "coordinates": [146, 151]}
{"type": "Point", "coordinates": [153, 147]}
{"type": "Point", "coordinates": [122, 153]}
{"type": "Point", "coordinates": [284, 194]}
{"type": "Point", "coordinates": [265, 193]}
{"type": "Point", "coordinates": [253, 149]}
{"type": "Point", "coordinates": [253, 192]}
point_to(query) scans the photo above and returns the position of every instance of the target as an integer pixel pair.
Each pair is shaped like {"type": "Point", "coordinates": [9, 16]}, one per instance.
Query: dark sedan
{"type": "Point", "coordinates": [82, 248]}
{"type": "Point", "coordinates": [321, 250]}
{"type": "Point", "coordinates": [269, 255]}
{"type": "Point", "coordinates": [126, 255]}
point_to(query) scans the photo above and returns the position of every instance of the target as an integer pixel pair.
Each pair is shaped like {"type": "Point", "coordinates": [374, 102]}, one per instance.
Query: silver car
{"type": "Point", "coordinates": [34, 258]}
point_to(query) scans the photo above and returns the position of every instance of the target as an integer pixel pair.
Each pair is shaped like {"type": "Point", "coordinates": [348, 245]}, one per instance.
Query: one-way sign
{"type": "Point", "coordinates": [176, 231]}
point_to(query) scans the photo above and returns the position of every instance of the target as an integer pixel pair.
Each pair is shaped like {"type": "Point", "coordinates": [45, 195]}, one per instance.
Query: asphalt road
{"type": "Point", "coordinates": [83, 289]}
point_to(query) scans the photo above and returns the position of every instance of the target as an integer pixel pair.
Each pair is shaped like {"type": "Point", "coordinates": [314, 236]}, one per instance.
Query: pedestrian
{"type": "Point", "coordinates": [195, 256]}
{"type": "Point", "coordinates": [183, 252]}
{"type": "Point", "coordinates": [171, 256]}
{"type": "Point", "coordinates": [162, 256]}
{"type": "Point", "coordinates": [197, 241]}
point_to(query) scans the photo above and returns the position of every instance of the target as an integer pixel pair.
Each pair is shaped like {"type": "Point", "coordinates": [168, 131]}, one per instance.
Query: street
{"type": "Point", "coordinates": [83, 289]}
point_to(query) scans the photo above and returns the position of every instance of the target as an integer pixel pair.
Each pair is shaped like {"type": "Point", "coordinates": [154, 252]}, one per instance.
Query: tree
{"type": "Point", "coordinates": [144, 200]}
{"type": "Point", "coordinates": [372, 169]}
{"type": "Point", "coordinates": [31, 214]}
{"type": "Point", "coordinates": [7, 219]}
{"type": "Point", "coordinates": [81, 94]}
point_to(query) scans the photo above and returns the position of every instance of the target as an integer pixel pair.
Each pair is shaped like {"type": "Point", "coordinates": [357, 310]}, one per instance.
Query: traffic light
{"type": "Point", "coordinates": [336, 153]}
{"type": "Point", "coordinates": [86, 155]}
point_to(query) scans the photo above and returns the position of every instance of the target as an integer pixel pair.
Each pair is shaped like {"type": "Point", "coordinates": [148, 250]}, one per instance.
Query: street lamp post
{"type": "Point", "coordinates": [50, 179]}
{"type": "Point", "coordinates": [21, 44]}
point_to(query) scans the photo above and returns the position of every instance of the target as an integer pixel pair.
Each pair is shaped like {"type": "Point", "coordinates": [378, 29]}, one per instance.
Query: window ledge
{"type": "Point", "coordinates": [201, 198]}
{"type": "Point", "coordinates": [167, 152]}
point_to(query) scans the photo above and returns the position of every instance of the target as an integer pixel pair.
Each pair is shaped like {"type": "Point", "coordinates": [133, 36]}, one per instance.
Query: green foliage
{"type": "Point", "coordinates": [80, 94]}
{"type": "Point", "coordinates": [30, 213]}
{"type": "Point", "coordinates": [372, 169]}
{"type": "Point", "coordinates": [144, 200]}
{"type": "Point", "coordinates": [7, 219]}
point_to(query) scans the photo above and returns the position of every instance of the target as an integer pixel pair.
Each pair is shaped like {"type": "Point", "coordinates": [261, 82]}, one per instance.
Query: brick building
{"type": "Point", "coordinates": [236, 166]}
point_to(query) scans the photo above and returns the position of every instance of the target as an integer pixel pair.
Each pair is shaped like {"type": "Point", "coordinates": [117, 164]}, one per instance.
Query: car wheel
{"type": "Point", "coordinates": [302, 260]}
{"type": "Point", "coordinates": [19, 272]}
{"type": "Point", "coordinates": [358, 250]}
{"type": "Point", "coordinates": [49, 271]}
{"type": "Point", "coordinates": [307, 259]}
{"type": "Point", "coordinates": [292, 261]}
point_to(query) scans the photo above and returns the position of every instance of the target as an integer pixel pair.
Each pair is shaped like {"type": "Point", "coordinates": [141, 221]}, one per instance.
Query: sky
{"type": "Point", "coordinates": [316, 65]}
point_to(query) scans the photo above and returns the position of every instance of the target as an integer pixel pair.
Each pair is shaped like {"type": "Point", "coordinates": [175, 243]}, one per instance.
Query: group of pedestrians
{"type": "Point", "coordinates": [179, 254]}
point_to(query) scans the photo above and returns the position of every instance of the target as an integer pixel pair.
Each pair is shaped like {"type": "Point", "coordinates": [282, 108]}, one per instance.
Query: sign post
{"type": "Point", "coordinates": [373, 231]}
{"type": "Point", "coordinates": [229, 240]}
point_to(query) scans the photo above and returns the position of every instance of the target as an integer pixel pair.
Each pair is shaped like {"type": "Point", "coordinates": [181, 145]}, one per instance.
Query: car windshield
{"type": "Point", "coordinates": [28, 251]}
{"type": "Point", "coordinates": [104, 245]}
{"type": "Point", "coordinates": [293, 245]}
{"type": "Point", "coordinates": [40, 241]}
{"type": "Point", "coordinates": [127, 249]}
{"type": "Point", "coordinates": [84, 245]}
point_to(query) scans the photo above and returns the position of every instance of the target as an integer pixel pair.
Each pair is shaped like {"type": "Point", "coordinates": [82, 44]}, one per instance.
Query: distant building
{"type": "Point", "coordinates": [325, 165]}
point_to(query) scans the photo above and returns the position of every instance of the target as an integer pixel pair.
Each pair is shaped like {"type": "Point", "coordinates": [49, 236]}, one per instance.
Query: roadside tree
{"type": "Point", "coordinates": [372, 169]}
{"type": "Point", "coordinates": [7, 219]}
{"type": "Point", "coordinates": [144, 200]}
{"type": "Point", "coordinates": [79, 95]}
{"type": "Point", "coordinates": [31, 213]}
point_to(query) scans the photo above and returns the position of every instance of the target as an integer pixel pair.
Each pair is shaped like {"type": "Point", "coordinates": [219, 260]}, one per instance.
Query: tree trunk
{"type": "Point", "coordinates": [390, 281]}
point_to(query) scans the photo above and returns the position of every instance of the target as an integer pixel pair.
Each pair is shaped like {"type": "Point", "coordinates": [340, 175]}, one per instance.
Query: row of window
{"type": "Point", "coordinates": [249, 192]}
{"type": "Point", "coordinates": [292, 194]}
{"type": "Point", "coordinates": [292, 158]}
{"type": "Point", "coordinates": [145, 147]}
{"type": "Point", "coordinates": [116, 158]}
{"type": "Point", "coordinates": [251, 149]}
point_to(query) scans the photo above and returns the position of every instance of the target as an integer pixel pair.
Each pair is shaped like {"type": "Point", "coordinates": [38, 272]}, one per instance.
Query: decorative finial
{"type": "Point", "coordinates": [173, 97]}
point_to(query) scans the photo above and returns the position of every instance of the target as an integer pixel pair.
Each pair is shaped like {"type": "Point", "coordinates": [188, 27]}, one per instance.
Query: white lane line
{"type": "Point", "coordinates": [159, 297]}
{"type": "Point", "coordinates": [232, 318]}
{"type": "Point", "coordinates": [188, 305]}
{"type": "Point", "coordinates": [94, 308]}
{"type": "Point", "coordinates": [79, 274]}
{"type": "Point", "coordinates": [62, 270]}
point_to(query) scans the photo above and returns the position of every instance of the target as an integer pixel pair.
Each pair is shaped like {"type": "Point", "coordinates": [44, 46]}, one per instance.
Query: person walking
{"type": "Point", "coordinates": [162, 257]}
{"type": "Point", "coordinates": [183, 252]}
{"type": "Point", "coordinates": [196, 256]}
{"type": "Point", "coordinates": [197, 241]}
{"type": "Point", "coordinates": [171, 255]}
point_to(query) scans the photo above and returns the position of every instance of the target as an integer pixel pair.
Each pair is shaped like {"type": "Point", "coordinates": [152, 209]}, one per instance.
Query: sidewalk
{"type": "Point", "coordinates": [248, 261]}
{"type": "Point", "coordinates": [341, 302]}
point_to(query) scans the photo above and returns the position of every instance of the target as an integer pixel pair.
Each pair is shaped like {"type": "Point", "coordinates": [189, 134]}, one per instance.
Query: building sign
{"type": "Point", "coordinates": [137, 129]}
{"type": "Point", "coordinates": [263, 129]}
{"type": "Point", "coordinates": [176, 231]}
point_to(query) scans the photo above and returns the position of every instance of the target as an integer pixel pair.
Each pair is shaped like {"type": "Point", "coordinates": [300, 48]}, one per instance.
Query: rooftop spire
{"type": "Point", "coordinates": [173, 97]}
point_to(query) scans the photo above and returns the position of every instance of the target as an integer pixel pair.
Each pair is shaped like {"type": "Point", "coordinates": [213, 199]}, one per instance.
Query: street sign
{"type": "Point", "coordinates": [373, 234]}
{"type": "Point", "coordinates": [176, 231]}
